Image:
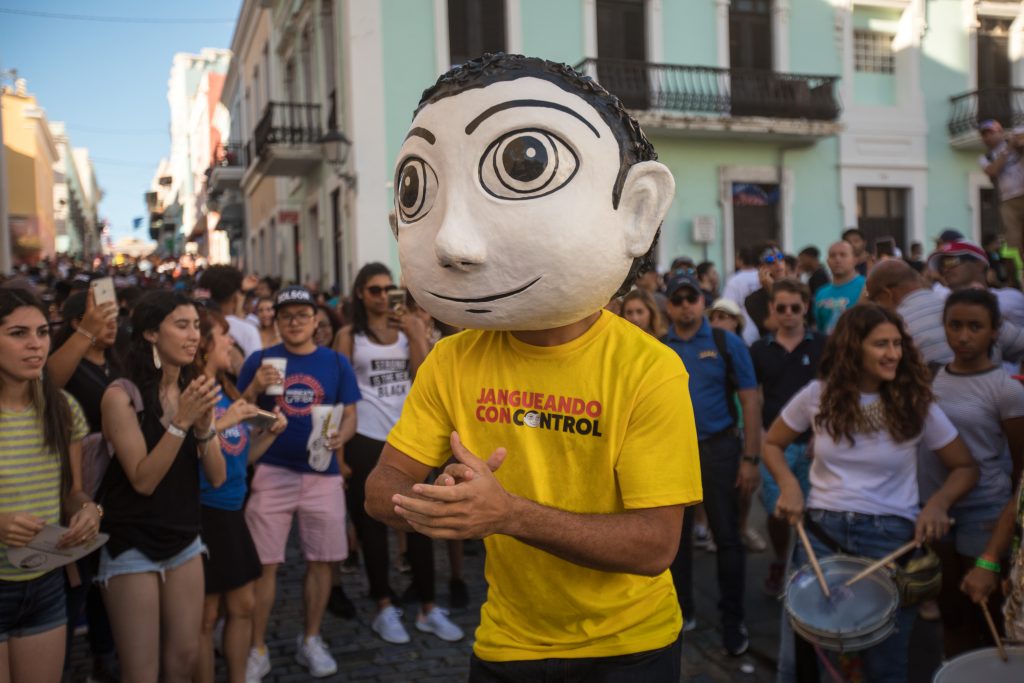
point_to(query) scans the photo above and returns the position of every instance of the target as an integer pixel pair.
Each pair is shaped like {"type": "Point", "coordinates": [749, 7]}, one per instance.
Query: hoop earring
{"type": "Point", "coordinates": [156, 357]}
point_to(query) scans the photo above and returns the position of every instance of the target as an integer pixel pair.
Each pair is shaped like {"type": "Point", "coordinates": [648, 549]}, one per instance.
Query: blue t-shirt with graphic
{"type": "Point", "coordinates": [234, 444]}
{"type": "Point", "coordinates": [832, 299]}
{"type": "Point", "coordinates": [323, 377]}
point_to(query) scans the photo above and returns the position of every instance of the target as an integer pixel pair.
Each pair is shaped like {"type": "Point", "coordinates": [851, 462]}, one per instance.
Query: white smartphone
{"type": "Point", "coordinates": [103, 291]}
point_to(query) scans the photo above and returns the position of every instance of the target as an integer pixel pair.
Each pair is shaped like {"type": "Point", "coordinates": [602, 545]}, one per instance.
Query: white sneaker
{"type": "Point", "coordinates": [388, 625]}
{"type": "Point", "coordinates": [438, 623]}
{"type": "Point", "coordinates": [257, 665]}
{"type": "Point", "coordinates": [312, 654]}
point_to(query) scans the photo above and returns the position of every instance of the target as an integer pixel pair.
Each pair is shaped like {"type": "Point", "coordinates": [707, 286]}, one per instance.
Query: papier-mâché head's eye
{"type": "Point", "coordinates": [415, 189]}
{"type": "Point", "coordinates": [527, 163]}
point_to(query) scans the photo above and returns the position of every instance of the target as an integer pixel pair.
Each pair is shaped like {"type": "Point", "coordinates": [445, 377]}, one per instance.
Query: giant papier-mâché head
{"type": "Point", "coordinates": [525, 196]}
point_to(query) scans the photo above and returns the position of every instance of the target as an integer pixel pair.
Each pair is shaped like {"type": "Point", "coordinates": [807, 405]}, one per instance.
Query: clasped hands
{"type": "Point", "coordinates": [466, 501]}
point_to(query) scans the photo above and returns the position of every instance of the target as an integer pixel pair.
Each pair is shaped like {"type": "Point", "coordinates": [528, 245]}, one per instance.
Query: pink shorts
{"type": "Point", "coordinates": [278, 494]}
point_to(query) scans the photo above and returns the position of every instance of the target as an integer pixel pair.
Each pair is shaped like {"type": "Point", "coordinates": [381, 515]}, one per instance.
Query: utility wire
{"type": "Point", "coordinates": [113, 20]}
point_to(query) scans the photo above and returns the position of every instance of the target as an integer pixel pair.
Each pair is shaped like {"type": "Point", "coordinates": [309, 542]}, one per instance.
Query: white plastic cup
{"type": "Point", "coordinates": [281, 365]}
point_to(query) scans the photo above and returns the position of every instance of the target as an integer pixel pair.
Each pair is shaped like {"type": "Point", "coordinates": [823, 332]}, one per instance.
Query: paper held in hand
{"type": "Point", "coordinates": [326, 421]}
{"type": "Point", "coordinates": [42, 553]}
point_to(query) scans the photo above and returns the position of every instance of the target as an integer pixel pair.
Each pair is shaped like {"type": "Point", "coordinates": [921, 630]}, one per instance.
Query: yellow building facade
{"type": "Point", "coordinates": [30, 154]}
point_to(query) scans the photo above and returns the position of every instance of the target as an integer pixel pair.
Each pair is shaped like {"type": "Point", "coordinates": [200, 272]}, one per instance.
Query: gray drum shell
{"type": "Point", "coordinates": [802, 585]}
{"type": "Point", "coordinates": [984, 665]}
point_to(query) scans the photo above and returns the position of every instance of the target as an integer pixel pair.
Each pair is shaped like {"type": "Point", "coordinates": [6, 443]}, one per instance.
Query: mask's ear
{"type": "Point", "coordinates": [393, 222]}
{"type": "Point", "coordinates": [646, 196]}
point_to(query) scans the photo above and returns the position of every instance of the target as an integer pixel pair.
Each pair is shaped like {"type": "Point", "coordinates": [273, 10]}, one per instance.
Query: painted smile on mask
{"type": "Point", "coordinates": [485, 299]}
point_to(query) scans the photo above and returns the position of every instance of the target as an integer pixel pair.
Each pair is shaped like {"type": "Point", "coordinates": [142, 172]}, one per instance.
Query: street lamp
{"type": "Point", "coordinates": [336, 148]}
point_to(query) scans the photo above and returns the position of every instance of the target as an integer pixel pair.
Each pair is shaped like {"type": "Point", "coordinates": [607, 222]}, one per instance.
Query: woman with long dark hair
{"type": "Point", "coordinates": [868, 414]}
{"type": "Point", "coordinates": [150, 569]}
{"type": "Point", "coordinates": [40, 484]}
{"type": "Point", "coordinates": [232, 565]}
{"type": "Point", "coordinates": [386, 346]}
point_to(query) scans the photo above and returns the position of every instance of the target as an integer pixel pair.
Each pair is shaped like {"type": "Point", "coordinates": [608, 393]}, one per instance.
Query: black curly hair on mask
{"type": "Point", "coordinates": [634, 146]}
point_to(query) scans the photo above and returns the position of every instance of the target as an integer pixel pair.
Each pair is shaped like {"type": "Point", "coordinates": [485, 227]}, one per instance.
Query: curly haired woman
{"type": "Point", "coordinates": [868, 416]}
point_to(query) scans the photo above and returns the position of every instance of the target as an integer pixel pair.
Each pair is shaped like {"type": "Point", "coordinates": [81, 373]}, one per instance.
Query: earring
{"type": "Point", "coordinates": [156, 357]}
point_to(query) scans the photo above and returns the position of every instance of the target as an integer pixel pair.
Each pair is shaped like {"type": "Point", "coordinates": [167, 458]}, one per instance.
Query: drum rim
{"type": "Point", "coordinates": [888, 583]}
{"type": "Point", "coordinates": [950, 666]}
{"type": "Point", "coordinates": [851, 644]}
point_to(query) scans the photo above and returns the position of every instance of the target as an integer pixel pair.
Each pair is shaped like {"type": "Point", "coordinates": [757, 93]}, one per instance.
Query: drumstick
{"type": "Point", "coordinates": [814, 560]}
{"type": "Point", "coordinates": [995, 633]}
{"type": "Point", "coordinates": [874, 566]}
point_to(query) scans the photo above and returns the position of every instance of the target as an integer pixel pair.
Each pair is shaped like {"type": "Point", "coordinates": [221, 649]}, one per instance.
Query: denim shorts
{"type": "Point", "coordinates": [133, 561]}
{"type": "Point", "coordinates": [799, 464]}
{"type": "Point", "coordinates": [31, 607]}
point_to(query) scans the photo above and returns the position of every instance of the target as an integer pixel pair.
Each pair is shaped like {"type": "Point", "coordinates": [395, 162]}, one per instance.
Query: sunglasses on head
{"type": "Point", "coordinates": [793, 308]}
{"type": "Point", "coordinates": [949, 262]}
{"type": "Point", "coordinates": [691, 298]}
{"type": "Point", "coordinates": [377, 290]}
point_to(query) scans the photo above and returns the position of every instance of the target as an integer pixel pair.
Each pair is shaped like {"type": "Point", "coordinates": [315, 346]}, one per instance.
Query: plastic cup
{"type": "Point", "coordinates": [281, 365]}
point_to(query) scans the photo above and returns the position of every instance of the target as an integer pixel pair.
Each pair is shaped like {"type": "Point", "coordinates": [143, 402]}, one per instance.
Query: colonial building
{"type": "Point", "coordinates": [780, 119]}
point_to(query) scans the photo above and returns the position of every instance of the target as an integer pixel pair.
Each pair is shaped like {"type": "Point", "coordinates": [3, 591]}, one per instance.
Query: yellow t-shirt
{"type": "Point", "coordinates": [599, 425]}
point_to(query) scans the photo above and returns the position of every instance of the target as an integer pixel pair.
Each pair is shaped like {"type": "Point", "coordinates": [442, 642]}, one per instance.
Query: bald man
{"type": "Point", "coordinates": [832, 299]}
{"type": "Point", "coordinates": [895, 285]}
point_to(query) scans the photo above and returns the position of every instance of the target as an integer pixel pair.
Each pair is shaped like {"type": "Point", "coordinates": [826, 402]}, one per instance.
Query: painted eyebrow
{"type": "Point", "coordinates": [526, 103]}
{"type": "Point", "coordinates": [423, 133]}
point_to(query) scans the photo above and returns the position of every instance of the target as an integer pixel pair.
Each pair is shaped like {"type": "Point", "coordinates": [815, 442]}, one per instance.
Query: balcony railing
{"type": "Point", "coordinates": [1005, 105]}
{"type": "Point", "coordinates": [711, 90]}
{"type": "Point", "coordinates": [287, 123]}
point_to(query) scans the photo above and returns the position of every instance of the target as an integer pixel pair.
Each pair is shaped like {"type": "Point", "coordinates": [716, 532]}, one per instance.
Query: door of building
{"type": "Point", "coordinates": [881, 213]}
{"type": "Point", "coordinates": [993, 59]}
{"type": "Point", "coordinates": [755, 214]}
{"type": "Point", "coordinates": [750, 56]}
{"type": "Point", "coordinates": [622, 51]}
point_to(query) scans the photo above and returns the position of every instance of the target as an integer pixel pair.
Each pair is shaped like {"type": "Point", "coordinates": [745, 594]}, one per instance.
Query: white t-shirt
{"type": "Point", "coordinates": [874, 476]}
{"type": "Point", "coordinates": [1011, 178]}
{"type": "Point", "coordinates": [740, 285]}
{"type": "Point", "coordinates": [244, 334]}
{"type": "Point", "coordinates": [1011, 304]}
{"type": "Point", "coordinates": [382, 373]}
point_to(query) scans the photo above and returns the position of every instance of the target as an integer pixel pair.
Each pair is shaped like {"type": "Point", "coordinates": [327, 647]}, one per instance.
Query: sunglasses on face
{"type": "Point", "coordinates": [948, 262]}
{"type": "Point", "coordinates": [770, 257]}
{"type": "Point", "coordinates": [377, 290]}
{"type": "Point", "coordinates": [793, 308]}
{"type": "Point", "coordinates": [691, 298]}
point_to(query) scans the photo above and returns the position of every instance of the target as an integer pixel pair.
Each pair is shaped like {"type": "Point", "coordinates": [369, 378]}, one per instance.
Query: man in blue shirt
{"type": "Point", "coordinates": [286, 484]}
{"type": "Point", "coordinates": [714, 377]}
{"type": "Point", "coordinates": [833, 299]}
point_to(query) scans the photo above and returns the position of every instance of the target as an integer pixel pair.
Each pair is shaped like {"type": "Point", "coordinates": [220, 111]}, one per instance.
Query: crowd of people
{"type": "Point", "coordinates": [878, 398]}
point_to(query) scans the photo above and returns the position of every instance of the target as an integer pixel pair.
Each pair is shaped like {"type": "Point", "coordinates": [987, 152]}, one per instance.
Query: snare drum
{"type": "Point", "coordinates": [984, 665]}
{"type": "Point", "coordinates": [853, 618]}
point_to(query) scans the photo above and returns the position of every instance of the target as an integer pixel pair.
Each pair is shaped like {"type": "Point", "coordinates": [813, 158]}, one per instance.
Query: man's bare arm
{"type": "Point", "coordinates": [473, 504]}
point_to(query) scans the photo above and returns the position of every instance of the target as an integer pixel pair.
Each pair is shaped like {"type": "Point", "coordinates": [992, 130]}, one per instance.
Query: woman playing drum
{"type": "Point", "coordinates": [868, 417]}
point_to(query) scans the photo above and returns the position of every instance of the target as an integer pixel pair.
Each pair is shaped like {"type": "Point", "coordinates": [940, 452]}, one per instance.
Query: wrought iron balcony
{"type": "Point", "coordinates": [286, 141]}
{"type": "Point", "coordinates": [705, 90]}
{"type": "Point", "coordinates": [230, 154]}
{"type": "Point", "coordinates": [226, 168]}
{"type": "Point", "coordinates": [967, 110]}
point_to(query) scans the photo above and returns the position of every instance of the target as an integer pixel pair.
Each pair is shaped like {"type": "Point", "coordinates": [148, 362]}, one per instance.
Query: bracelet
{"type": "Point", "coordinates": [988, 564]}
{"type": "Point", "coordinates": [91, 338]}
{"type": "Point", "coordinates": [206, 437]}
{"type": "Point", "coordinates": [175, 430]}
{"type": "Point", "coordinates": [99, 508]}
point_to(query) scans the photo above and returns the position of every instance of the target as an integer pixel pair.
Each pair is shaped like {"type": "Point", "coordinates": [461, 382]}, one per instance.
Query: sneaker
{"type": "Point", "coordinates": [388, 625]}
{"type": "Point", "coordinates": [458, 594]}
{"type": "Point", "coordinates": [339, 605]}
{"type": "Point", "coordinates": [312, 654]}
{"type": "Point", "coordinates": [689, 625]}
{"type": "Point", "coordinates": [735, 639]}
{"type": "Point", "coordinates": [257, 666]}
{"type": "Point", "coordinates": [754, 542]}
{"type": "Point", "coordinates": [701, 536]}
{"type": "Point", "coordinates": [773, 582]}
{"type": "Point", "coordinates": [437, 622]}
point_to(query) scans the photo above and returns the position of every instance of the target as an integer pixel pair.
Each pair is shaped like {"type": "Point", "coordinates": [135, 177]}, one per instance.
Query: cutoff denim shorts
{"type": "Point", "coordinates": [31, 607]}
{"type": "Point", "coordinates": [133, 561]}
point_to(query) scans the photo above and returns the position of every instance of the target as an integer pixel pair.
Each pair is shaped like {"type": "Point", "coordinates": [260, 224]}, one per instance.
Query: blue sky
{"type": "Point", "coordinates": [108, 81]}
